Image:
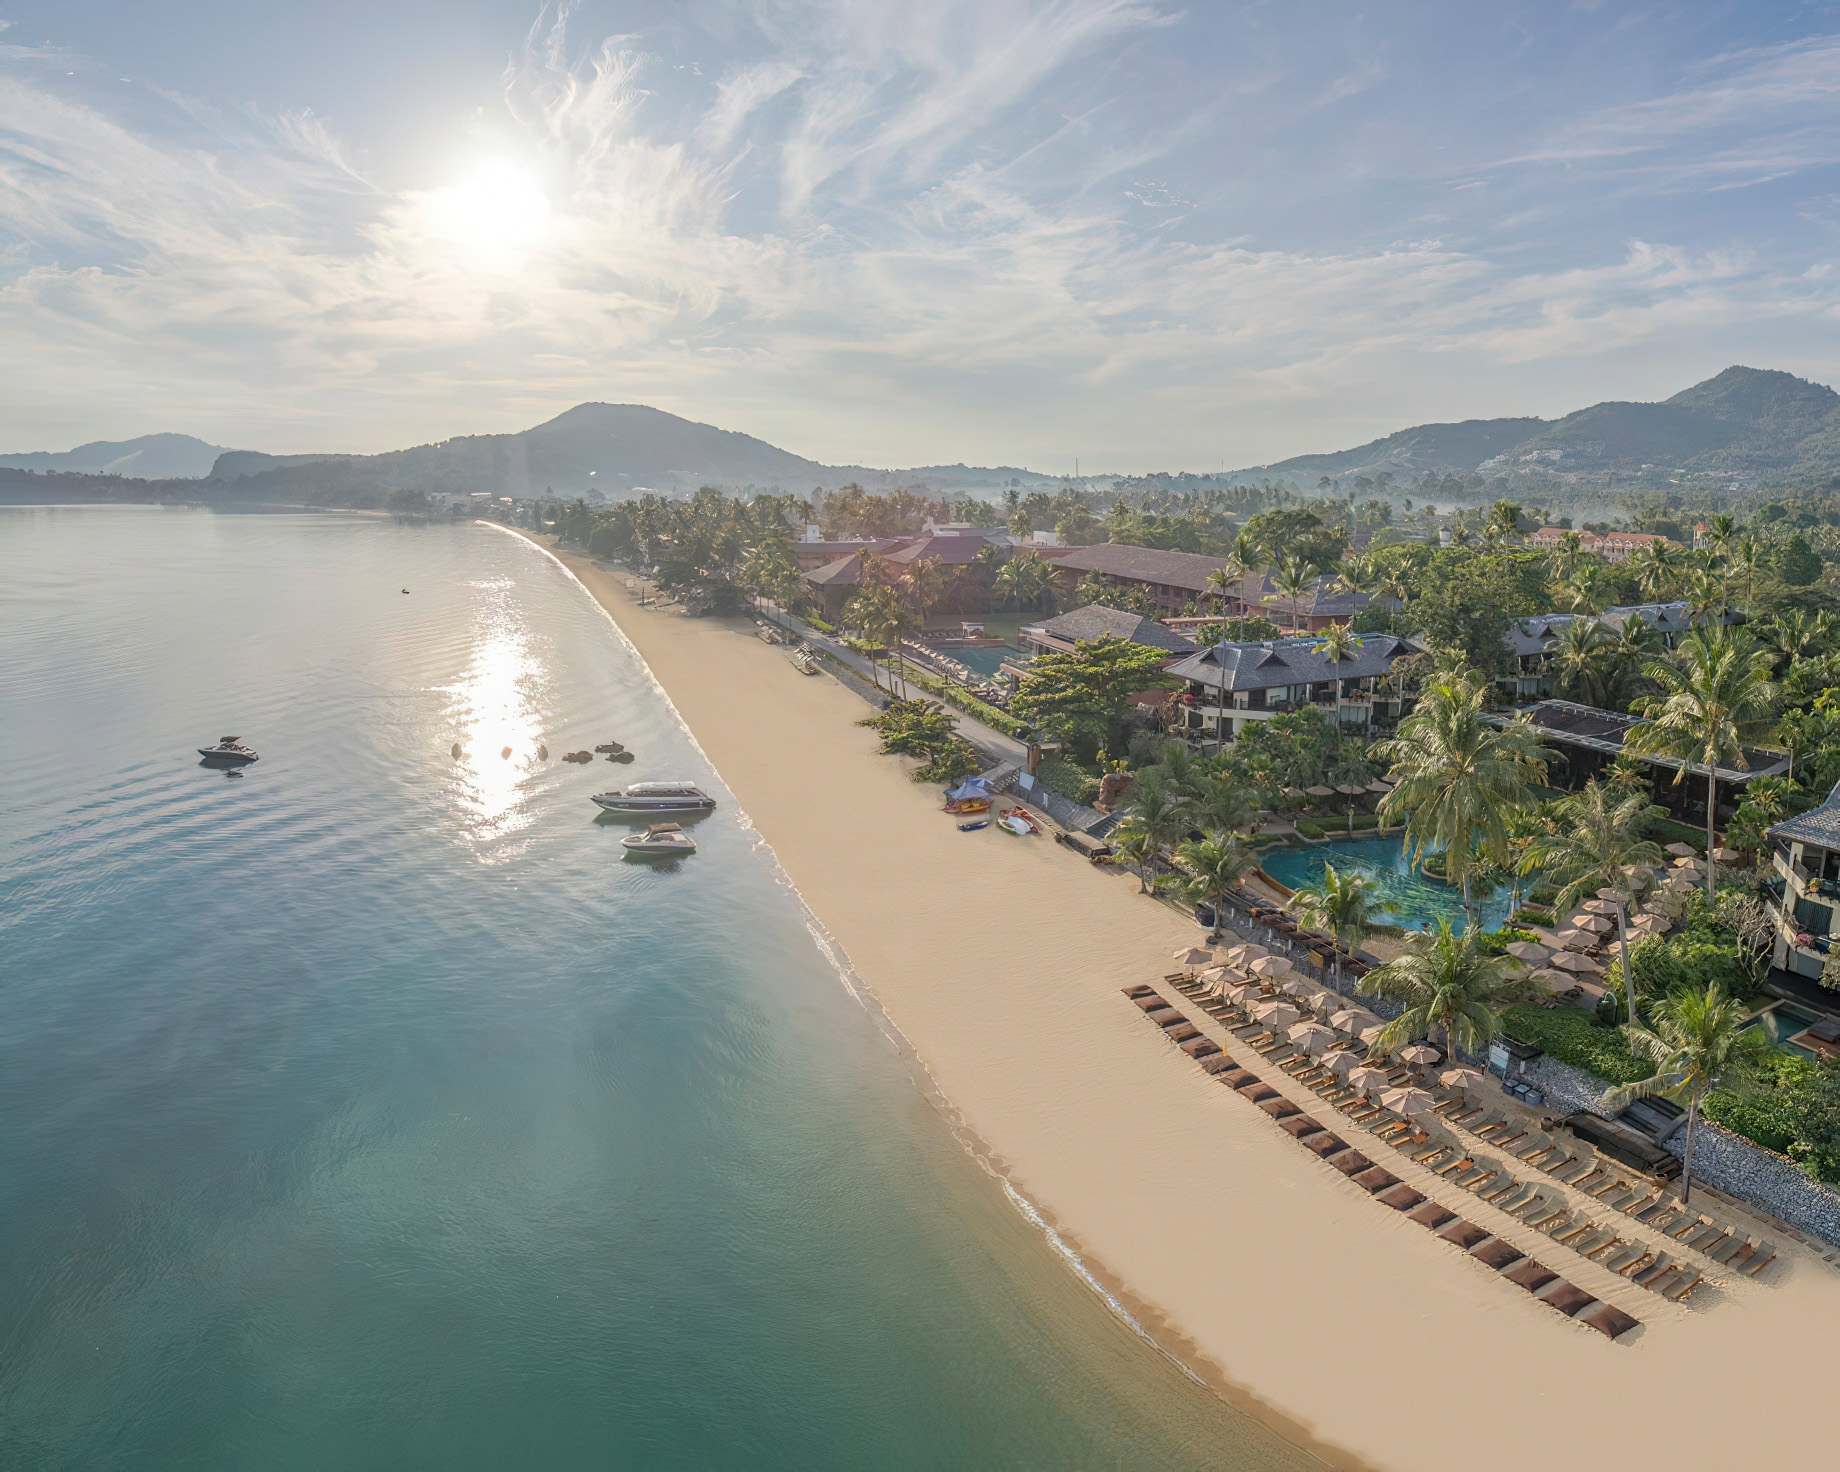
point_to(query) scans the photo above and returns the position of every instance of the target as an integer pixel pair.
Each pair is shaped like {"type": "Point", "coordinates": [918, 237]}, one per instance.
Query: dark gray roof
{"type": "Point", "coordinates": [1277, 662]}
{"type": "Point", "coordinates": [1570, 724]}
{"type": "Point", "coordinates": [1536, 635]}
{"type": "Point", "coordinates": [1819, 826]}
{"type": "Point", "coordinates": [1096, 621]}
{"type": "Point", "coordinates": [1143, 564]}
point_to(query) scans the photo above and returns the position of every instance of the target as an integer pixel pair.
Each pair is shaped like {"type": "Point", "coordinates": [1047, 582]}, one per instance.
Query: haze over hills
{"type": "Point", "coordinates": [1746, 427]}
{"type": "Point", "coordinates": [150, 457]}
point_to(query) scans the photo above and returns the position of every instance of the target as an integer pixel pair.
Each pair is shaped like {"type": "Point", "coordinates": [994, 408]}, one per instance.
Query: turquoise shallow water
{"type": "Point", "coordinates": [367, 1111]}
{"type": "Point", "coordinates": [1408, 898]}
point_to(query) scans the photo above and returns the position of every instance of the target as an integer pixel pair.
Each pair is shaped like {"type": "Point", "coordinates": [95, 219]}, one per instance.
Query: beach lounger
{"type": "Point", "coordinates": [1690, 1224]}
{"type": "Point", "coordinates": [1653, 1272]}
{"type": "Point", "coordinates": [1569, 1232]}
{"type": "Point", "coordinates": [1298, 1125]}
{"type": "Point", "coordinates": [1257, 1093]}
{"type": "Point", "coordinates": [1675, 1275]}
{"type": "Point", "coordinates": [1567, 1297]}
{"type": "Point", "coordinates": [1594, 1240]}
{"type": "Point", "coordinates": [1723, 1252]}
{"type": "Point", "coordinates": [1530, 1275]}
{"type": "Point", "coordinates": [1148, 999]}
{"type": "Point", "coordinates": [1200, 1047]}
{"type": "Point", "coordinates": [1654, 1210]}
{"type": "Point", "coordinates": [1464, 1234]}
{"type": "Point", "coordinates": [1609, 1320]}
{"type": "Point", "coordinates": [1235, 1078]}
{"type": "Point", "coordinates": [1496, 1253]}
{"type": "Point", "coordinates": [1629, 1252]}
{"type": "Point", "coordinates": [1632, 1267]}
{"type": "Point", "coordinates": [1432, 1214]}
{"type": "Point", "coordinates": [1641, 1204]}
{"type": "Point", "coordinates": [1606, 1250]}
{"type": "Point", "coordinates": [1279, 1108]}
{"type": "Point", "coordinates": [1546, 1217]}
{"type": "Point", "coordinates": [1681, 1290]}
{"type": "Point", "coordinates": [1504, 1191]}
{"type": "Point", "coordinates": [1350, 1162]}
{"type": "Point", "coordinates": [1182, 1032]}
{"type": "Point", "coordinates": [1522, 1195]}
{"type": "Point", "coordinates": [1451, 1167]}
{"type": "Point", "coordinates": [1760, 1259]}
{"type": "Point", "coordinates": [1324, 1143]}
{"type": "Point", "coordinates": [1140, 990]}
{"type": "Point", "coordinates": [1376, 1178]}
{"type": "Point", "coordinates": [1401, 1197]}
{"type": "Point", "coordinates": [1217, 1064]}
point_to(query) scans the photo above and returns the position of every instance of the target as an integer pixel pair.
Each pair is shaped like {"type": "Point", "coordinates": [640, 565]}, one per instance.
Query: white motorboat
{"type": "Point", "coordinates": [657, 797]}
{"type": "Point", "coordinates": [228, 752]}
{"type": "Point", "coordinates": [661, 840]}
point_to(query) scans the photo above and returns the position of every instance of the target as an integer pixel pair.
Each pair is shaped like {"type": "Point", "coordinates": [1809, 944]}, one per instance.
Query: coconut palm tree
{"type": "Point", "coordinates": [1566, 556]}
{"type": "Point", "coordinates": [1342, 905]}
{"type": "Point", "coordinates": [1458, 777]}
{"type": "Point", "coordinates": [1338, 644]}
{"type": "Point", "coordinates": [1023, 580]}
{"type": "Point", "coordinates": [1698, 1040]}
{"type": "Point", "coordinates": [1657, 567]}
{"type": "Point", "coordinates": [1595, 840]}
{"type": "Point", "coordinates": [1449, 985]}
{"type": "Point", "coordinates": [1713, 697]}
{"type": "Point", "coordinates": [1292, 581]}
{"type": "Point", "coordinates": [872, 610]}
{"type": "Point", "coordinates": [1132, 844]}
{"type": "Point", "coordinates": [1216, 863]}
{"type": "Point", "coordinates": [1719, 534]}
{"type": "Point", "coordinates": [1580, 661]}
{"type": "Point", "coordinates": [1157, 808]}
{"type": "Point", "coordinates": [1222, 803]}
{"type": "Point", "coordinates": [1742, 565]}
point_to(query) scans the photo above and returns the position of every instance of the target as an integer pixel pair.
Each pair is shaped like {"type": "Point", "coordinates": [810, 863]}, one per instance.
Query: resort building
{"type": "Point", "coordinates": [1096, 621]}
{"type": "Point", "coordinates": [1610, 546]}
{"type": "Point", "coordinates": [1171, 579]}
{"type": "Point", "coordinates": [1585, 740]}
{"type": "Point", "coordinates": [1532, 640]}
{"type": "Point", "coordinates": [1229, 686]}
{"type": "Point", "coordinates": [1805, 854]}
{"type": "Point", "coordinates": [1324, 602]}
{"type": "Point", "coordinates": [834, 579]}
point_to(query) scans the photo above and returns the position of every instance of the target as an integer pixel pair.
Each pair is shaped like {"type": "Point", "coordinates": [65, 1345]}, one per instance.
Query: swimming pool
{"type": "Point", "coordinates": [1782, 1022]}
{"type": "Point", "coordinates": [982, 659]}
{"type": "Point", "coordinates": [1406, 897]}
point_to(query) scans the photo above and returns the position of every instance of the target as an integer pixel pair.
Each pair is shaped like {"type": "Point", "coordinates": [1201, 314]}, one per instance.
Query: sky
{"type": "Point", "coordinates": [1138, 234]}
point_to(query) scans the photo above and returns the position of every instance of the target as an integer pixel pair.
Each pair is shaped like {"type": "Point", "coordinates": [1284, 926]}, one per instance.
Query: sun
{"type": "Point", "coordinates": [498, 210]}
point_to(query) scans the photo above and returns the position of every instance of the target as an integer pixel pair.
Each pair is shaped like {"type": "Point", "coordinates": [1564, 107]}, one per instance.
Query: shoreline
{"type": "Point", "coordinates": [995, 965]}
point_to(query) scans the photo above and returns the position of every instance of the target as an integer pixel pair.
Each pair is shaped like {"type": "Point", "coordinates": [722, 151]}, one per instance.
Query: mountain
{"type": "Point", "coordinates": [1747, 426]}
{"type": "Point", "coordinates": [151, 457]}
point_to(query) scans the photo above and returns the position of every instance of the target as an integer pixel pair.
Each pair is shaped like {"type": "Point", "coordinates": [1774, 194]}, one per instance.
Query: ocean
{"type": "Point", "coordinates": [369, 1109]}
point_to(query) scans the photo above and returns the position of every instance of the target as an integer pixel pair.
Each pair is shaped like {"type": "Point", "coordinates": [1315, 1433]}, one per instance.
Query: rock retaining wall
{"type": "Point", "coordinates": [1740, 1168]}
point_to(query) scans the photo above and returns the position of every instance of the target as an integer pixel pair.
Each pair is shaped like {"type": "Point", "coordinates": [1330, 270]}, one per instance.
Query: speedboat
{"type": "Point", "coordinates": [229, 752]}
{"type": "Point", "coordinates": [657, 797]}
{"type": "Point", "coordinates": [661, 840]}
{"type": "Point", "coordinates": [1019, 821]}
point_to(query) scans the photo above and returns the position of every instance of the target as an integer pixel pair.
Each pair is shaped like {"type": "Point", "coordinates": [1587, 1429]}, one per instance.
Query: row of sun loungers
{"type": "Point", "coordinates": [1574, 1162]}
{"type": "Point", "coordinates": [1333, 1149]}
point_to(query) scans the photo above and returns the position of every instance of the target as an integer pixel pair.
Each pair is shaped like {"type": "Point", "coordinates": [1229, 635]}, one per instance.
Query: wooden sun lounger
{"type": "Point", "coordinates": [1629, 1252]}
{"type": "Point", "coordinates": [1723, 1252]}
{"type": "Point", "coordinates": [1608, 1249]}
{"type": "Point", "coordinates": [1654, 1272]}
{"type": "Point", "coordinates": [1760, 1259]}
{"type": "Point", "coordinates": [1501, 1192]}
{"type": "Point", "coordinates": [1681, 1290]}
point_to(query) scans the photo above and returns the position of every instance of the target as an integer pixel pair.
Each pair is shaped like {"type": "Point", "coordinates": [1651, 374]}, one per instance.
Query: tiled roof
{"type": "Point", "coordinates": [949, 547]}
{"type": "Point", "coordinates": [1819, 826]}
{"type": "Point", "coordinates": [844, 572]}
{"type": "Point", "coordinates": [1096, 621]}
{"type": "Point", "coordinates": [1539, 633]}
{"type": "Point", "coordinates": [1187, 570]}
{"type": "Point", "coordinates": [1276, 662]}
{"type": "Point", "coordinates": [1571, 724]}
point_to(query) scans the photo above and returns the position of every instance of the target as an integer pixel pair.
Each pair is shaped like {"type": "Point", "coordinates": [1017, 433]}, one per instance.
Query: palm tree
{"type": "Point", "coordinates": [1216, 864]}
{"type": "Point", "coordinates": [1714, 696]}
{"type": "Point", "coordinates": [924, 582]}
{"type": "Point", "coordinates": [1339, 643]}
{"type": "Point", "coordinates": [1744, 563]}
{"type": "Point", "coordinates": [1156, 808]}
{"type": "Point", "coordinates": [1636, 643]}
{"type": "Point", "coordinates": [1698, 1040]}
{"type": "Point", "coordinates": [1580, 661]}
{"type": "Point", "coordinates": [1343, 905]}
{"type": "Point", "coordinates": [1458, 777]}
{"type": "Point", "coordinates": [1449, 984]}
{"type": "Point", "coordinates": [871, 609]}
{"type": "Point", "coordinates": [1657, 567]}
{"type": "Point", "coordinates": [1023, 580]}
{"type": "Point", "coordinates": [1566, 556]}
{"type": "Point", "coordinates": [1132, 844]}
{"type": "Point", "coordinates": [1719, 533]}
{"type": "Point", "coordinates": [1292, 582]}
{"type": "Point", "coordinates": [1595, 840]}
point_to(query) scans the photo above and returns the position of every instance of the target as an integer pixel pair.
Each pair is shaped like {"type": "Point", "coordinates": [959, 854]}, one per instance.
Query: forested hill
{"type": "Point", "coordinates": [1746, 427]}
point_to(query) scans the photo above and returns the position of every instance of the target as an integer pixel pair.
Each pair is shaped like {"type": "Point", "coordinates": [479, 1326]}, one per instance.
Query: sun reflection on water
{"type": "Point", "coordinates": [494, 707]}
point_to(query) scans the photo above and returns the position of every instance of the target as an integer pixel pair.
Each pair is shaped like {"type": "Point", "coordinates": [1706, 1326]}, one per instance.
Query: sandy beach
{"type": "Point", "coordinates": [1355, 1331]}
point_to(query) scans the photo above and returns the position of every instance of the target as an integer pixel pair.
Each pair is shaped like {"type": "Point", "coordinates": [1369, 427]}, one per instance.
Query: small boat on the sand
{"type": "Point", "coordinates": [229, 752]}
{"type": "Point", "coordinates": [969, 805]}
{"type": "Point", "coordinates": [973, 827]}
{"type": "Point", "coordinates": [805, 663]}
{"type": "Point", "coordinates": [1019, 821]}
{"type": "Point", "coordinates": [661, 840]}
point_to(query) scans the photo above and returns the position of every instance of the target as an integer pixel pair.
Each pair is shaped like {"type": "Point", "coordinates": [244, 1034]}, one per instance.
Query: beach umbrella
{"type": "Point", "coordinates": [1418, 1055]}
{"type": "Point", "coordinates": [1367, 1035]}
{"type": "Point", "coordinates": [1319, 791]}
{"type": "Point", "coordinates": [1597, 924]}
{"type": "Point", "coordinates": [1529, 951]}
{"type": "Point", "coordinates": [1680, 882]}
{"type": "Point", "coordinates": [1349, 789]}
{"type": "Point", "coordinates": [1582, 965]}
{"type": "Point", "coordinates": [1576, 940]}
{"type": "Point", "coordinates": [1650, 924]}
{"type": "Point", "coordinates": [1269, 966]}
{"type": "Point", "coordinates": [1276, 1014]}
{"type": "Point", "coordinates": [1600, 907]}
{"type": "Point", "coordinates": [1380, 789]}
{"type": "Point", "coordinates": [1312, 1037]}
{"type": "Point", "coordinates": [1192, 956]}
{"type": "Point", "coordinates": [1339, 1063]}
{"type": "Point", "coordinates": [1691, 861]}
{"type": "Point", "coordinates": [1609, 894]}
{"type": "Point", "coordinates": [1406, 1102]}
{"type": "Point", "coordinates": [1214, 975]}
{"type": "Point", "coordinates": [1351, 1020]}
{"type": "Point", "coordinates": [1462, 1078]}
{"type": "Point", "coordinates": [1553, 981]}
{"type": "Point", "coordinates": [1321, 998]}
{"type": "Point", "coordinates": [1296, 985]}
{"type": "Point", "coordinates": [1725, 855]}
{"type": "Point", "coordinates": [1243, 955]}
{"type": "Point", "coordinates": [1368, 1077]}
{"type": "Point", "coordinates": [1684, 850]}
{"type": "Point", "coordinates": [1243, 992]}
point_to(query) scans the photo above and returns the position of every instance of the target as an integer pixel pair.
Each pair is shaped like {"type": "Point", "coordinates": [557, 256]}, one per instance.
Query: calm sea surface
{"type": "Point", "coordinates": [367, 1110]}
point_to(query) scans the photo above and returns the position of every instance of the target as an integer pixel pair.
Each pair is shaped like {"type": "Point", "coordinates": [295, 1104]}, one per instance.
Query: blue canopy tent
{"type": "Point", "coordinates": [970, 787]}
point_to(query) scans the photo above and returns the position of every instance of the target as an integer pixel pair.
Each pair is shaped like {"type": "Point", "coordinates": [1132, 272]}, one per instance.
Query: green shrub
{"type": "Point", "coordinates": [819, 624]}
{"type": "Point", "coordinates": [998, 720]}
{"type": "Point", "coordinates": [1666, 830]}
{"type": "Point", "coordinates": [1573, 1036]}
{"type": "Point", "coordinates": [1071, 782]}
{"type": "Point", "coordinates": [1538, 914]}
{"type": "Point", "coordinates": [1497, 942]}
{"type": "Point", "coordinates": [1792, 1107]}
{"type": "Point", "coordinates": [918, 728]}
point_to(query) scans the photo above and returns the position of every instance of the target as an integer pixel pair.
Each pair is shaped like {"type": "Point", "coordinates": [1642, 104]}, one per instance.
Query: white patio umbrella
{"type": "Point", "coordinates": [1551, 980]}
{"type": "Point", "coordinates": [1340, 1063]}
{"type": "Point", "coordinates": [1380, 789]}
{"type": "Point", "coordinates": [1276, 1014]}
{"type": "Point", "coordinates": [1576, 940]}
{"type": "Point", "coordinates": [1596, 924]}
{"type": "Point", "coordinates": [1530, 951]}
{"type": "Point", "coordinates": [1679, 881]}
{"type": "Point", "coordinates": [1406, 1102]}
{"type": "Point", "coordinates": [1296, 985]}
{"type": "Point", "coordinates": [1369, 1034]}
{"type": "Point", "coordinates": [1600, 907]}
{"type": "Point", "coordinates": [1322, 999]}
{"type": "Point", "coordinates": [1243, 956]}
{"type": "Point", "coordinates": [1462, 1078]}
{"type": "Point", "coordinates": [1192, 956]}
{"type": "Point", "coordinates": [1612, 895]}
{"type": "Point", "coordinates": [1319, 791]}
{"type": "Point", "coordinates": [1418, 1055]}
{"type": "Point", "coordinates": [1351, 1020]}
{"type": "Point", "coordinates": [1243, 992]}
{"type": "Point", "coordinates": [1365, 1078]}
{"type": "Point", "coordinates": [1582, 965]}
{"type": "Point", "coordinates": [1690, 862]}
{"type": "Point", "coordinates": [1312, 1037]}
{"type": "Point", "coordinates": [1215, 975]}
{"type": "Point", "coordinates": [1684, 850]}
{"type": "Point", "coordinates": [1269, 966]}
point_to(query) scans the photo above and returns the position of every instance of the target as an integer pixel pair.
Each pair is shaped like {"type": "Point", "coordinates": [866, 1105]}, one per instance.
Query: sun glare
{"type": "Point", "coordinates": [499, 209]}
